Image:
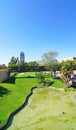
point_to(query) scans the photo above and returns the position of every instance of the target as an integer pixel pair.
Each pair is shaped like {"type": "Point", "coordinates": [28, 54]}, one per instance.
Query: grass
{"type": "Point", "coordinates": [13, 94]}
{"type": "Point", "coordinates": [14, 91]}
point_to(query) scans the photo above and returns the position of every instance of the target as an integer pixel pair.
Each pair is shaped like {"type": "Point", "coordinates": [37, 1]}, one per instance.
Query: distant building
{"type": "Point", "coordinates": [22, 57]}
{"type": "Point", "coordinates": [70, 58]}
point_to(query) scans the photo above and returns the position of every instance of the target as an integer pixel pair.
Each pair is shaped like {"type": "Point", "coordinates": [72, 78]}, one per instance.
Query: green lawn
{"type": "Point", "coordinates": [14, 92]}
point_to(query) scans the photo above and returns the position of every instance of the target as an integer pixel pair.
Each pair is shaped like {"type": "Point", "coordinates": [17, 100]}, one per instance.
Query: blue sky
{"type": "Point", "coordinates": [37, 27]}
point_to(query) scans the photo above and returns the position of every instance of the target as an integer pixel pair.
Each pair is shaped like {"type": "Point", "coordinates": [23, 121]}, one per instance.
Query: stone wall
{"type": "Point", "coordinates": [3, 74]}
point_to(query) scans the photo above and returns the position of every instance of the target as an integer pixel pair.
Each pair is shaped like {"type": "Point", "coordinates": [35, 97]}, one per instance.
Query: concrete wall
{"type": "Point", "coordinates": [3, 75]}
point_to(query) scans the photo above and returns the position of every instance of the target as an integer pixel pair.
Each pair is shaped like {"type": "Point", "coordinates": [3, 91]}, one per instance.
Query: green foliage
{"type": "Point", "coordinates": [49, 60]}
{"type": "Point", "coordinates": [74, 64]}
{"type": "Point", "coordinates": [71, 62]}
{"type": "Point", "coordinates": [13, 64]}
{"type": "Point", "coordinates": [40, 77]}
{"type": "Point", "coordinates": [21, 66]}
{"type": "Point", "coordinates": [66, 71]}
{"type": "Point", "coordinates": [16, 65]}
{"type": "Point", "coordinates": [49, 57]}
{"type": "Point", "coordinates": [33, 66]}
{"type": "Point", "coordinates": [48, 82]}
{"type": "Point", "coordinates": [13, 60]}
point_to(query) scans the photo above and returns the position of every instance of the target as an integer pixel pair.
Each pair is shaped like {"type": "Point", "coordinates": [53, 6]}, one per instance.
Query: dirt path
{"type": "Point", "coordinates": [47, 110]}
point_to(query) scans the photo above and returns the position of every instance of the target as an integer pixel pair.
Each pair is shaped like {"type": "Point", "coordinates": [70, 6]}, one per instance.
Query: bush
{"type": "Point", "coordinates": [48, 83]}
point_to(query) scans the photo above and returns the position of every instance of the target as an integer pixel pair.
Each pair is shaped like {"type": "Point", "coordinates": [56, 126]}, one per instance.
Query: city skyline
{"type": "Point", "coordinates": [37, 27]}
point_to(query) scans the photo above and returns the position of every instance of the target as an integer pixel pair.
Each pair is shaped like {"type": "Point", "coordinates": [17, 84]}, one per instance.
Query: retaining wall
{"type": "Point", "coordinates": [3, 74]}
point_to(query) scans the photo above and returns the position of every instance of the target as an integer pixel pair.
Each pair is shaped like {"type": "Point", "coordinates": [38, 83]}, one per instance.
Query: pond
{"type": "Point", "coordinates": [47, 109]}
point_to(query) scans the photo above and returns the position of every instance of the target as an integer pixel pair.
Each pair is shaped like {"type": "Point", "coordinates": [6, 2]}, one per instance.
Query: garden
{"type": "Point", "coordinates": [47, 100]}
{"type": "Point", "coordinates": [14, 91]}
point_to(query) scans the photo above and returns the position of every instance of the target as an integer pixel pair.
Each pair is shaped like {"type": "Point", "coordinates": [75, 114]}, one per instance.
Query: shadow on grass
{"type": "Point", "coordinates": [73, 86]}
{"type": "Point", "coordinates": [48, 83]}
{"type": "Point", "coordinates": [25, 77]}
{"type": "Point", "coordinates": [4, 91]}
{"type": "Point", "coordinates": [11, 80]}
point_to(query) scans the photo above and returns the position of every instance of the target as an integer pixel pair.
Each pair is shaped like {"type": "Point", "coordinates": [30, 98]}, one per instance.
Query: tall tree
{"type": "Point", "coordinates": [13, 64]}
{"type": "Point", "coordinates": [49, 60]}
{"type": "Point", "coordinates": [13, 60]}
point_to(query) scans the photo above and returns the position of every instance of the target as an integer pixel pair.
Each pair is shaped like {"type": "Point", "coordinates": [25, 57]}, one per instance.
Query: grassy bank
{"type": "Point", "coordinates": [14, 92]}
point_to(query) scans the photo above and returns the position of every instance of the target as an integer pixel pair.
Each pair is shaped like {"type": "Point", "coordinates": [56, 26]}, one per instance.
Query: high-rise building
{"type": "Point", "coordinates": [22, 57]}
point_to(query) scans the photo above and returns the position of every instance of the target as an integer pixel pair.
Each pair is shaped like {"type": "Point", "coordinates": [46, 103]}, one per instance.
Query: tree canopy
{"type": "Point", "coordinates": [66, 71]}
{"type": "Point", "coordinates": [49, 60]}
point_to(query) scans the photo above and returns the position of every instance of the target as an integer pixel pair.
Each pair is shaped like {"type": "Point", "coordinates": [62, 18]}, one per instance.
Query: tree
{"type": "Point", "coordinates": [40, 77]}
{"type": "Point", "coordinates": [13, 64]}
{"type": "Point", "coordinates": [14, 60]}
{"type": "Point", "coordinates": [33, 66]}
{"type": "Point", "coordinates": [3, 66]}
{"type": "Point", "coordinates": [21, 66]}
{"type": "Point", "coordinates": [74, 64]}
{"type": "Point", "coordinates": [49, 60]}
{"type": "Point", "coordinates": [66, 71]}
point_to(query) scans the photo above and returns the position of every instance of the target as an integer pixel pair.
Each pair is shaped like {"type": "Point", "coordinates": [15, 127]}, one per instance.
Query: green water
{"type": "Point", "coordinates": [47, 109]}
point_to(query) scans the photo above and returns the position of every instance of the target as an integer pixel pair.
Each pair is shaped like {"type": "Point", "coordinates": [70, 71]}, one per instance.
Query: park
{"type": "Point", "coordinates": [38, 97]}
{"type": "Point", "coordinates": [47, 105]}
{"type": "Point", "coordinates": [37, 65]}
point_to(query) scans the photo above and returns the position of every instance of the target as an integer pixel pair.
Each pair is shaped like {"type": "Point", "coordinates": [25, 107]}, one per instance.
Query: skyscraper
{"type": "Point", "coordinates": [22, 57]}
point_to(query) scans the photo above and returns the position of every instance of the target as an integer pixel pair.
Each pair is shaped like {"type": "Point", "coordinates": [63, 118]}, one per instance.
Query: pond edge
{"type": "Point", "coordinates": [12, 114]}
